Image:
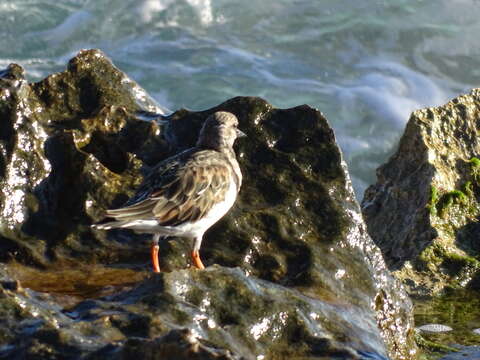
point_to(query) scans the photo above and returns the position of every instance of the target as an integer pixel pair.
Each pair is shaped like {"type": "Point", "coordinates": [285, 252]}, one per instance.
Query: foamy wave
{"type": "Point", "coordinates": [204, 10]}
{"type": "Point", "coordinates": [147, 10]}
{"type": "Point", "coordinates": [391, 91]}
{"type": "Point", "coordinates": [72, 24]}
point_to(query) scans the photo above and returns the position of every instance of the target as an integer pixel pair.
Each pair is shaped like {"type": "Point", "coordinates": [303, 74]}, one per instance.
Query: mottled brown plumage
{"type": "Point", "coordinates": [184, 190]}
{"type": "Point", "coordinates": [186, 194]}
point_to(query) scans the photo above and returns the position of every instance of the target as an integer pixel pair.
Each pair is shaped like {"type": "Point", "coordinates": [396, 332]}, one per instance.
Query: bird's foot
{"type": "Point", "coordinates": [197, 261]}
{"type": "Point", "coordinates": [154, 253]}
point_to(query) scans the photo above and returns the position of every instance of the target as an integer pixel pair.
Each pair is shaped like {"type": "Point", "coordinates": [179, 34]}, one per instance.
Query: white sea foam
{"type": "Point", "coordinates": [147, 10]}
{"type": "Point", "coordinates": [77, 21]}
{"type": "Point", "coordinates": [204, 10]}
{"type": "Point", "coordinates": [390, 91]}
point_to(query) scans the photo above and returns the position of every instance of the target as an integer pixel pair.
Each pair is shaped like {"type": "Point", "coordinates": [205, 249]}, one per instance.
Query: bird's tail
{"type": "Point", "coordinates": [139, 226]}
{"type": "Point", "coordinates": [111, 225]}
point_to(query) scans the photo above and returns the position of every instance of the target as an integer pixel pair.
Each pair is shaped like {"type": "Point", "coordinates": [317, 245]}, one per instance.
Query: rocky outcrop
{"type": "Point", "coordinates": [290, 271]}
{"type": "Point", "coordinates": [423, 211]}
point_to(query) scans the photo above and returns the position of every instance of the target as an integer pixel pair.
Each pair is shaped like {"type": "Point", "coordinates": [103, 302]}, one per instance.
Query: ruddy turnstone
{"type": "Point", "coordinates": [186, 194]}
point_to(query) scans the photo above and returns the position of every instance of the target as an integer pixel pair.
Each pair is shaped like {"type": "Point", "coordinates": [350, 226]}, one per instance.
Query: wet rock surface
{"type": "Point", "coordinates": [423, 211]}
{"type": "Point", "coordinates": [290, 271]}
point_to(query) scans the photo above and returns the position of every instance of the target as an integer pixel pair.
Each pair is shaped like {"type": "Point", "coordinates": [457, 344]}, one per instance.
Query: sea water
{"type": "Point", "coordinates": [365, 64]}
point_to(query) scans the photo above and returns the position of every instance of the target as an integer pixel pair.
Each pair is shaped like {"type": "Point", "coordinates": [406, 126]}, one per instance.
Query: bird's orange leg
{"type": "Point", "coordinates": [154, 253]}
{"type": "Point", "coordinates": [196, 260]}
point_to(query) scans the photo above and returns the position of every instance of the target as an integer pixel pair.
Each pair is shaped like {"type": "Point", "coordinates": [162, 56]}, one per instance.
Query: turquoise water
{"type": "Point", "coordinates": [365, 64]}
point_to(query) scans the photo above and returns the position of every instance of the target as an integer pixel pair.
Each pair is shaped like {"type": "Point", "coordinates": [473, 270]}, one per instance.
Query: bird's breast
{"type": "Point", "coordinates": [217, 211]}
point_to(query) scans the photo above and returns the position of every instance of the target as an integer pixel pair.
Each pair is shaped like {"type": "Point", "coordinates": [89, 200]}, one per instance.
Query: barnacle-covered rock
{"type": "Point", "coordinates": [423, 211]}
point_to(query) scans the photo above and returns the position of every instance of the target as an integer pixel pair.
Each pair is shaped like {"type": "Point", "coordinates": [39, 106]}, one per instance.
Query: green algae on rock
{"type": "Point", "coordinates": [424, 210]}
{"type": "Point", "coordinates": [312, 283]}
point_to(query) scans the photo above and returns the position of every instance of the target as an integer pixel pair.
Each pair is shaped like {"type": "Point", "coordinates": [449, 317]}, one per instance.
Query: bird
{"type": "Point", "coordinates": [184, 195]}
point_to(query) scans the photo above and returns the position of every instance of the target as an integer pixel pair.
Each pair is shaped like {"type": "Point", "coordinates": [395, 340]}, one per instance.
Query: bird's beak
{"type": "Point", "coordinates": [240, 134]}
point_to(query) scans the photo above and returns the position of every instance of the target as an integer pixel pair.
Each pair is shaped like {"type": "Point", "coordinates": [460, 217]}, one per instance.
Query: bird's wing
{"type": "Point", "coordinates": [178, 192]}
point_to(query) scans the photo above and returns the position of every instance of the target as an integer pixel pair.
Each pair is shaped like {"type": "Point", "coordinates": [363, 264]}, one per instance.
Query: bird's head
{"type": "Point", "coordinates": [219, 131]}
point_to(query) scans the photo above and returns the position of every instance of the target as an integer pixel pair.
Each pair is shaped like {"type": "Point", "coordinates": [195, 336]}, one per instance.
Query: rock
{"type": "Point", "coordinates": [423, 210]}
{"type": "Point", "coordinates": [291, 270]}
{"type": "Point", "coordinates": [176, 344]}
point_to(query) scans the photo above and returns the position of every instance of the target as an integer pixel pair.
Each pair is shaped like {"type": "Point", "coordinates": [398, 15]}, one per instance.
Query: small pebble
{"type": "Point", "coordinates": [434, 328]}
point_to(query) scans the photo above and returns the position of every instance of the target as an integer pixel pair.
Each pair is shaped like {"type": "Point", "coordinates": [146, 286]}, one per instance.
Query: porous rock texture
{"type": "Point", "coordinates": [423, 211]}
{"type": "Point", "coordinates": [290, 270]}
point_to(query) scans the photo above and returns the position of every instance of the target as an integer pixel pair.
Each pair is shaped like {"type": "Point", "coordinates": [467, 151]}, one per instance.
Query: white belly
{"type": "Point", "coordinates": [197, 229]}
